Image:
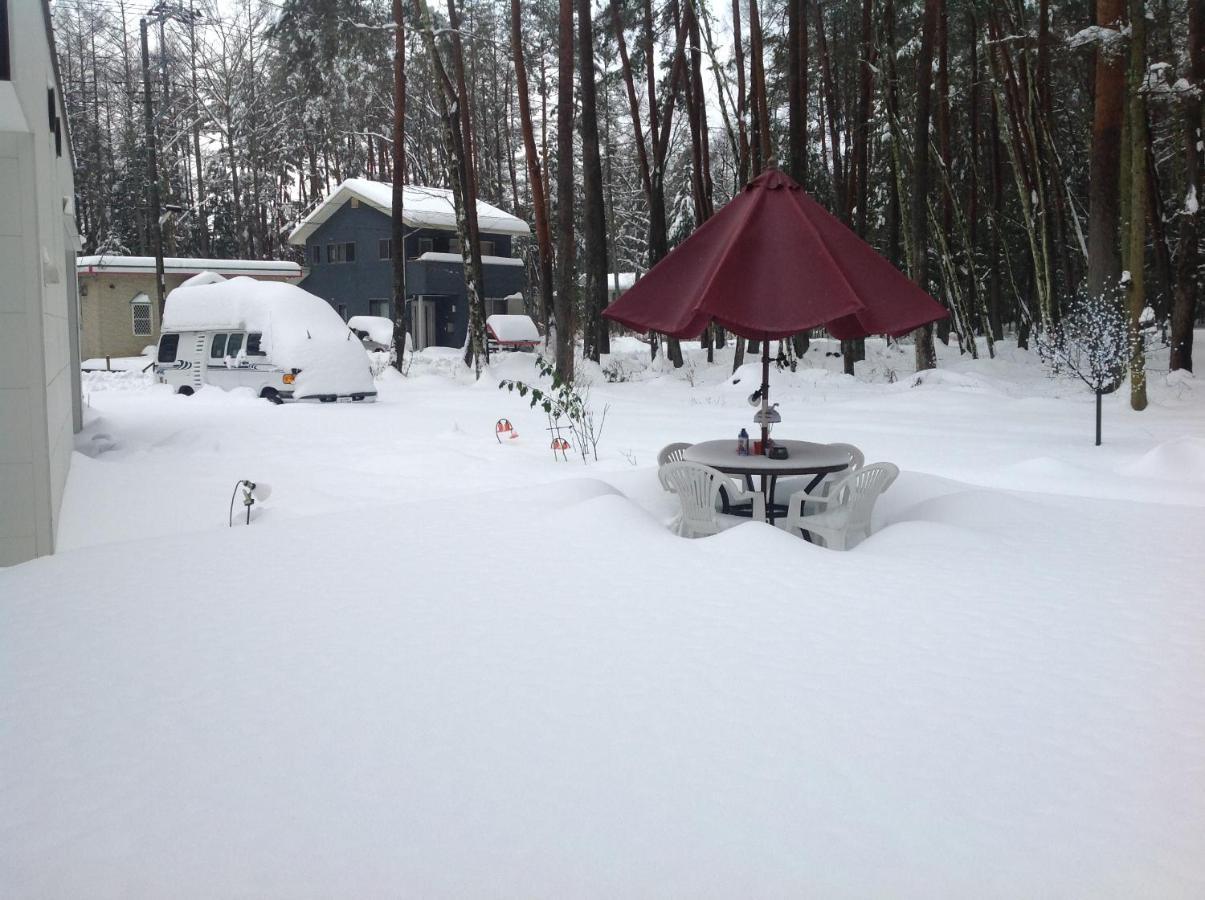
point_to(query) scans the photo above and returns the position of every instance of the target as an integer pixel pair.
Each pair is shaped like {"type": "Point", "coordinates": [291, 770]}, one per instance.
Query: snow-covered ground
{"type": "Point", "coordinates": [436, 665]}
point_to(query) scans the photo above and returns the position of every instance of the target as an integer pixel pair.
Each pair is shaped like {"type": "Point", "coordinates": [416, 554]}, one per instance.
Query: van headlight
{"type": "Point", "coordinates": [289, 378]}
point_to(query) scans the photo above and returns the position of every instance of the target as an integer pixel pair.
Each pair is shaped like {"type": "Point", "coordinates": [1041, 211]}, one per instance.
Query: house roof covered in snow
{"type": "Point", "coordinates": [423, 207]}
{"type": "Point", "coordinates": [173, 265]}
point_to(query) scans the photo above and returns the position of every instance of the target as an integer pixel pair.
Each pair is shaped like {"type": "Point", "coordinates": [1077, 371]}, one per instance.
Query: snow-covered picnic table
{"type": "Point", "coordinates": [803, 458]}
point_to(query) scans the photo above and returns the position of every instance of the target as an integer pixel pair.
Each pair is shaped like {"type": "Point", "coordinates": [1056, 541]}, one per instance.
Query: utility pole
{"type": "Point", "coordinates": [152, 174]}
{"type": "Point", "coordinates": [160, 12]}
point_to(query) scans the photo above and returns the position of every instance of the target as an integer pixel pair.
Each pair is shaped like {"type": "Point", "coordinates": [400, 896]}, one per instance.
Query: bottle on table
{"type": "Point", "coordinates": [742, 443]}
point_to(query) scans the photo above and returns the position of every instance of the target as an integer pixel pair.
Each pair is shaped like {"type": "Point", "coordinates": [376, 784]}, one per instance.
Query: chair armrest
{"type": "Point", "coordinates": [738, 492]}
{"type": "Point", "coordinates": [802, 497]}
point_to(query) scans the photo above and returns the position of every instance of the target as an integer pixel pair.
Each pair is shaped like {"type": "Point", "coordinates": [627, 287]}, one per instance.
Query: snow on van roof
{"type": "Point", "coordinates": [298, 330]}
{"type": "Point", "coordinates": [423, 207]}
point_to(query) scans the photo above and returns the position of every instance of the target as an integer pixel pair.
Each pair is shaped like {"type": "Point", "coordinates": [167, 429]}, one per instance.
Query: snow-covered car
{"type": "Point", "coordinates": [374, 332]}
{"type": "Point", "coordinates": [516, 333]}
{"type": "Point", "coordinates": [276, 339]}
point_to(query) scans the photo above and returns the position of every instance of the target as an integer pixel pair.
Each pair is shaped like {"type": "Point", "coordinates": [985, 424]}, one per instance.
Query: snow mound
{"type": "Point", "coordinates": [378, 328]}
{"type": "Point", "coordinates": [1182, 459]}
{"type": "Point", "coordinates": [299, 330]}
{"type": "Point", "coordinates": [202, 278]}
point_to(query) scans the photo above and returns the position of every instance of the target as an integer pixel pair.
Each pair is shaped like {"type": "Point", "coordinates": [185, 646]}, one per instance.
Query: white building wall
{"type": "Point", "coordinates": [39, 380]}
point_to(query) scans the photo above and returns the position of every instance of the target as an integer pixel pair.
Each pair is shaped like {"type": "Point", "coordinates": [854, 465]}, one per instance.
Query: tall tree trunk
{"type": "Point", "coordinates": [797, 94]}
{"type": "Point", "coordinates": [1136, 261]}
{"type": "Point", "coordinates": [1104, 257]}
{"type": "Point", "coordinates": [829, 88]}
{"type": "Point", "coordinates": [397, 225]}
{"type": "Point", "coordinates": [1184, 304]}
{"type": "Point", "coordinates": [866, 66]}
{"type": "Point", "coordinates": [945, 153]}
{"type": "Point", "coordinates": [563, 303]}
{"type": "Point", "coordinates": [757, 71]}
{"type": "Point", "coordinates": [594, 222]}
{"type": "Point", "coordinates": [476, 350]}
{"type": "Point", "coordinates": [534, 176]}
{"type": "Point", "coordinates": [202, 216]}
{"type": "Point", "coordinates": [926, 354]}
{"type": "Point", "coordinates": [742, 99]}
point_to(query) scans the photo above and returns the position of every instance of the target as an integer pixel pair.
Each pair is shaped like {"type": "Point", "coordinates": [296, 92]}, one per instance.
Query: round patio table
{"type": "Point", "coordinates": [803, 458]}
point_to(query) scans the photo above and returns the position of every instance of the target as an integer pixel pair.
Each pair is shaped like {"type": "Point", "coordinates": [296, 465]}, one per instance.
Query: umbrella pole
{"type": "Point", "coordinates": [765, 396]}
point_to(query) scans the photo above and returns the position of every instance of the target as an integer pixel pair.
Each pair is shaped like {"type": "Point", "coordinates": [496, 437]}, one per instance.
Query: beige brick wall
{"type": "Point", "coordinates": [106, 318]}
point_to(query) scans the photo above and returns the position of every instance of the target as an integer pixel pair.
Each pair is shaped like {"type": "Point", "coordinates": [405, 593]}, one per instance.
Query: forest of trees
{"type": "Point", "coordinates": [1009, 155]}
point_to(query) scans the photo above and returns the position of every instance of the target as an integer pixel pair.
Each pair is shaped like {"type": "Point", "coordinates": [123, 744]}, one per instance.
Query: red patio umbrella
{"type": "Point", "coordinates": [771, 263]}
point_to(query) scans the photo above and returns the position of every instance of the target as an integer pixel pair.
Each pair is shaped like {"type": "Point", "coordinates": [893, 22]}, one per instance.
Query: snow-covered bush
{"type": "Point", "coordinates": [1091, 342]}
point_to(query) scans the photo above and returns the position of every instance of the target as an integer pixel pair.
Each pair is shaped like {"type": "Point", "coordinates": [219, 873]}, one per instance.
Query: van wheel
{"type": "Point", "coordinates": [185, 391]}
{"type": "Point", "coordinates": [271, 394]}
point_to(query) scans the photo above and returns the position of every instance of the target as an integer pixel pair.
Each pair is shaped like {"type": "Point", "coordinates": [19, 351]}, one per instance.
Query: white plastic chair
{"type": "Point", "coordinates": [788, 487]}
{"type": "Point", "coordinates": [671, 453]}
{"type": "Point", "coordinates": [698, 490]}
{"type": "Point", "coordinates": [845, 513]}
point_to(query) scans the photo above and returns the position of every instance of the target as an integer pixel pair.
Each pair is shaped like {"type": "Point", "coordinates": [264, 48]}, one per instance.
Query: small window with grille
{"type": "Point", "coordinates": [140, 312]}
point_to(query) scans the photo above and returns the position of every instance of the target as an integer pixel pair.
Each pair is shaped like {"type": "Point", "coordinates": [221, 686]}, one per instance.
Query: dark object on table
{"type": "Point", "coordinates": [778, 453]}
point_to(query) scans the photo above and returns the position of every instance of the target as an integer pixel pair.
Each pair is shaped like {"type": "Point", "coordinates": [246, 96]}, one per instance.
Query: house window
{"type": "Point", "coordinates": [316, 254]}
{"type": "Point", "coordinates": [53, 122]}
{"type": "Point", "coordinates": [343, 252]}
{"type": "Point", "coordinates": [168, 345]}
{"type": "Point", "coordinates": [385, 248]}
{"type": "Point", "coordinates": [454, 245]}
{"type": "Point", "coordinates": [5, 69]}
{"type": "Point", "coordinates": [140, 311]}
{"type": "Point", "coordinates": [426, 245]}
{"type": "Point", "coordinates": [379, 308]}
{"type": "Point", "coordinates": [487, 248]}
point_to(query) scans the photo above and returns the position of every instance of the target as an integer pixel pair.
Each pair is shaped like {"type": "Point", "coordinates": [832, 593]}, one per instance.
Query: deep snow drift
{"type": "Point", "coordinates": [437, 664]}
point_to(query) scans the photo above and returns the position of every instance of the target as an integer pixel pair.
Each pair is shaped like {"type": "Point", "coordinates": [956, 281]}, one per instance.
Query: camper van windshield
{"type": "Point", "coordinates": [167, 347]}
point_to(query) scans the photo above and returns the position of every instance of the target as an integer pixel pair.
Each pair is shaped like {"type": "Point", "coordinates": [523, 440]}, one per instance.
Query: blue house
{"type": "Point", "coordinates": [349, 252]}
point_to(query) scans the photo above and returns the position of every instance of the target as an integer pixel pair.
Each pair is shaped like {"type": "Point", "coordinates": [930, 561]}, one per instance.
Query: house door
{"type": "Point", "coordinates": [426, 322]}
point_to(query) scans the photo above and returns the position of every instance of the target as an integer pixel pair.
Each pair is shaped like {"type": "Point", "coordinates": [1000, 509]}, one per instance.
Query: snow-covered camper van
{"type": "Point", "coordinates": [275, 338]}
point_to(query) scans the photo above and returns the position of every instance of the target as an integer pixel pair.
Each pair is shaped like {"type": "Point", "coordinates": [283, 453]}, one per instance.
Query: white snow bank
{"type": "Point", "coordinates": [513, 328]}
{"type": "Point", "coordinates": [595, 708]}
{"type": "Point", "coordinates": [1180, 460]}
{"type": "Point", "coordinates": [299, 330]}
{"type": "Point", "coordinates": [378, 328]}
